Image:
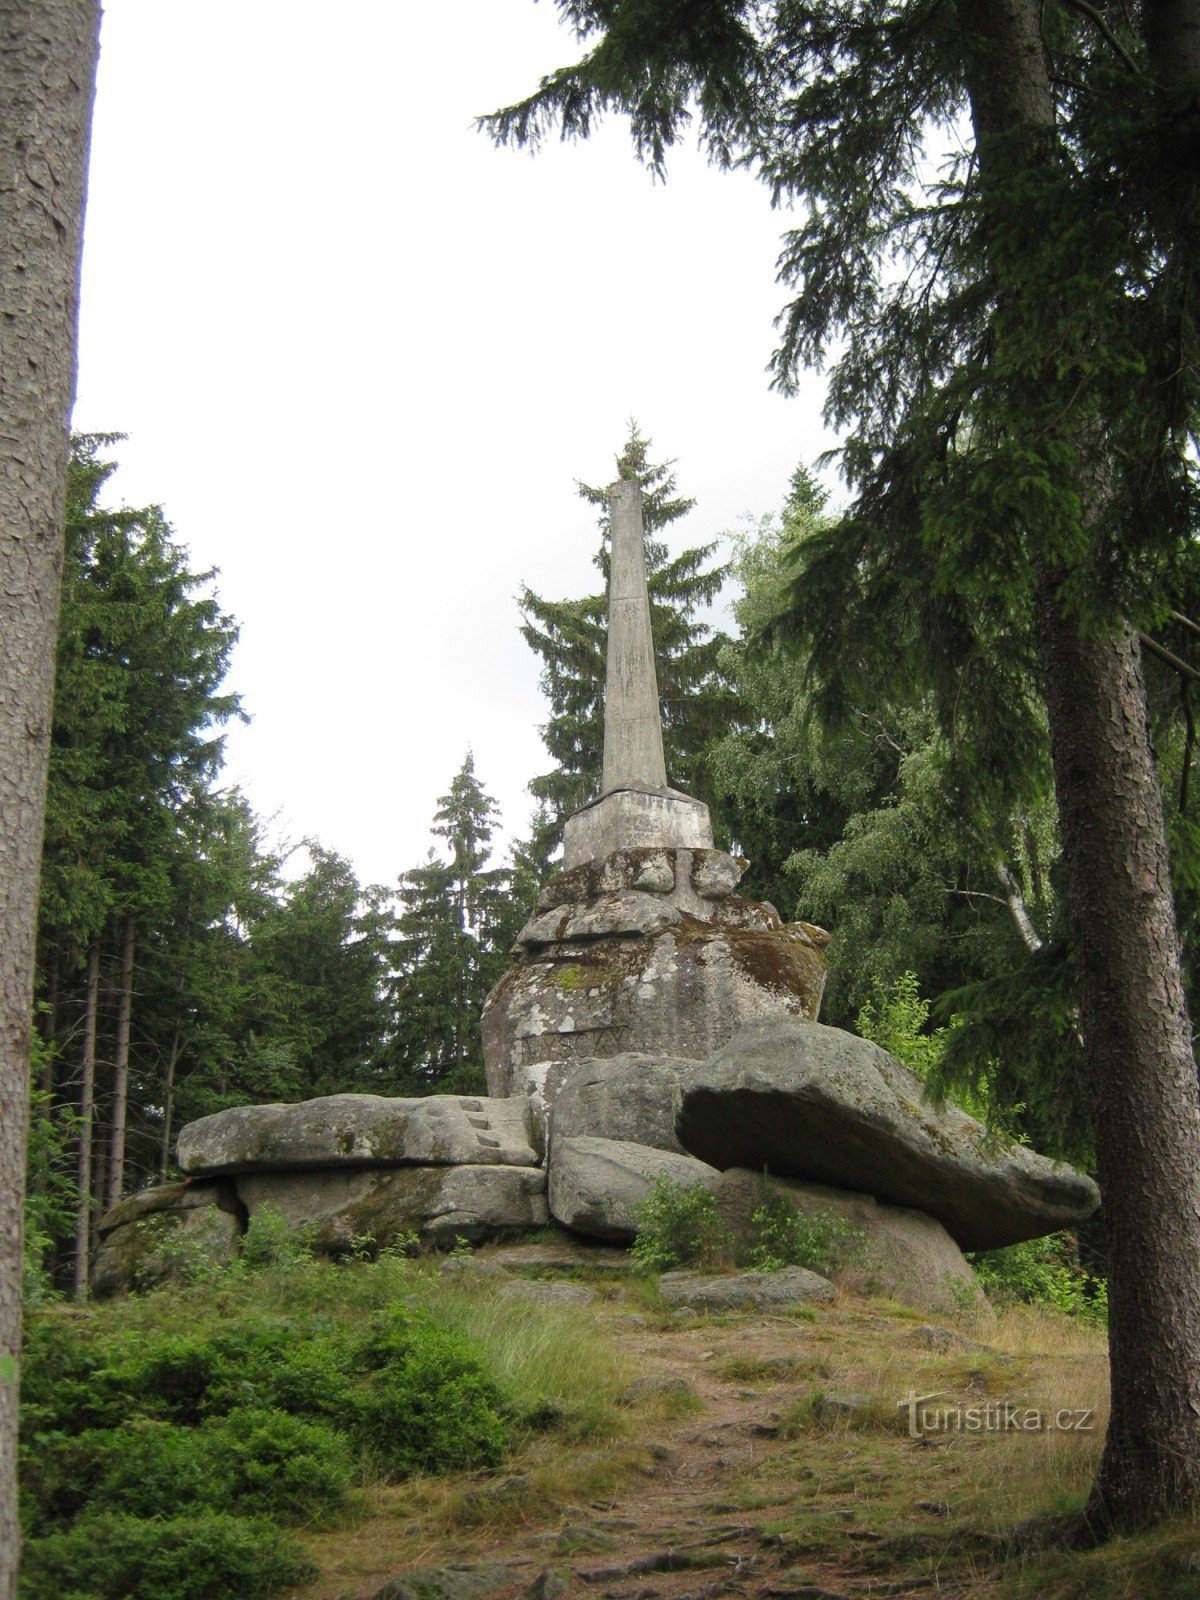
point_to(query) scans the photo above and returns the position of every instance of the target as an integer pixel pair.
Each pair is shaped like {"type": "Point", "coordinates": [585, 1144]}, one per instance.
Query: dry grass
{"type": "Point", "coordinates": [844, 1504]}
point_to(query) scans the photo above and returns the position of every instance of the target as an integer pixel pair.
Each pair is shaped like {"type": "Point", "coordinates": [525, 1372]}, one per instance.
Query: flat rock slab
{"type": "Point", "coordinates": [438, 1204]}
{"type": "Point", "coordinates": [741, 1291]}
{"type": "Point", "coordinates": [356, 1130]}
{"type": "Point", "coordinates": [596, 1185]}
{"type": "Point", "coordinates": [811, 1102]}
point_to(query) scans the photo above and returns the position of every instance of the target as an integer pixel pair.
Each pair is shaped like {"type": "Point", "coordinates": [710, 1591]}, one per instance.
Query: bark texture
{"type": "Point", "coordinates": [116, 1160]}
{"type": "Point", "coordinates": [87, 1109]}
{"type": "Point", "coordinates": [47, 78]}
{"type": "Point", "coordinates": [1142, 1074]}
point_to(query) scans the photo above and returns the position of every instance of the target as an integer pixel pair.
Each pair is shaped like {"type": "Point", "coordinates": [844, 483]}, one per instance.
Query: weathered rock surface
{"type": "Point", "coordinates": [630, 913]}
{"type": "Point", "coordinates": [205, 1217]}
{"type": "Point", "coordinates": [449, 1583]}
{"type": "Point", "coordinates": [549, 1294]}
{"type": "Point", "coordinates": [633, 1097]}
{"type": "Point", "coordinates": [564, 1255]}
{"type": "Point", "coordinates": [903, 1254]}
{"type": "Point", "coordinates": [438, 1204]}
{"type": "Point", "coordinates": [819, 1104]}
{"type": "Point", "coordinates": [596, 1185]}
{"type": "Point", "coordinates": [354, 1130]}
{"type": "Point", "coordinates": [683, 992]}
{"type": "Point", "coordinates": [738, 1291]}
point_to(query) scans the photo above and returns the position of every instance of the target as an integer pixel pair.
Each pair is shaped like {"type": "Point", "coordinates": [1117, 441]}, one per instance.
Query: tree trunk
{"type": "Point", "coordinates": [116, 1159]}
{"type": "Point", "coordinates": [1142, 1075]}
{"type": "Point", "coordinates": [1136, 1032]}
{"type": "Point", "coordinates": [164, 1155]}
{"type": "Point", "coordinates": [87, 1102]}
{"type": "Point", "coordinates": [47, 82]}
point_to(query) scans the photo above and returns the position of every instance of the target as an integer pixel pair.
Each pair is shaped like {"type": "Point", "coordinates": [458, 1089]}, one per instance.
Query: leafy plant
{"type": "Point", "coordinates": [1044, 1272]}
{"type": "Point", "coordinates": [175, 1253]}
{"type": "Point", "coordinates": [897, 1019]}
{"type": "Point", "coordinates": [784, 1236]}
{"type": "Point", "coordinates": [678, 1225]}
{"type": "Point", "coordinates": [270, 1240]}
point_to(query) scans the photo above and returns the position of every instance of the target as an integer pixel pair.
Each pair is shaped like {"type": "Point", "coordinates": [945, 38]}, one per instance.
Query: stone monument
{"type": "Point", "coordinates": [639, 943]}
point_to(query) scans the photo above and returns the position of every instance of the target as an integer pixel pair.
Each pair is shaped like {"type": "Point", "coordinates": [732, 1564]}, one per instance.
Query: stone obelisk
{"type": "Point", "coordinates": [635, 807]}
{"type": "Point", "coordinates": [633, 743]}
{"type": "Point", "coordinates": [639, 943]}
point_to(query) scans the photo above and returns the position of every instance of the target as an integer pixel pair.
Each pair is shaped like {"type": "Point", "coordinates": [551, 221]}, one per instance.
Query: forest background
{"type": "Point", "coordinates": [185, 966]}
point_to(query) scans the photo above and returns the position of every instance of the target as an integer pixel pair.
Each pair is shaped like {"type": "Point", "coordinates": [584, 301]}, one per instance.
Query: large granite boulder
{"type": "Point", "coordinates": [355, 1130]}
{"type": "Point", "coordinates": [811, 1102]}
{"type": "Point", "coordinates": [632, 1097]}
{"type": "Point", "coordinates": [596, 1185]}
{"type": "Point", "coordinates": [901, 1253]}
{"type": "Point", "coordinates": [164, 1233]}
{"type": "Point", "coordinates": [438, 1204]}
{"type": "Point", "coordinates": [647, 950]}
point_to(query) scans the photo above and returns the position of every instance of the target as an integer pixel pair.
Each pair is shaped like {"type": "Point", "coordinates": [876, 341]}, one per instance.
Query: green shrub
{"type": "Point", "coordinates": [155, 1429]}
{"type": "Point", "coordinates": [426, 1405]}
{"type": "Point", "coordinates": [175, 1253]}
{"type": "Point", "coordinates": [1044, 1272]}
{"type": "Point", "coordinates": [678, 1226]}
{"type": "Point", "coordinates": [271, 1241]}
{"type": "Point", "coordinates": [262, 1462]}
{"type": "Point", "coordinates": [196, 1556]}
{"type": "Point", "coordinates": [786, 1237]}
{"type": "Point", "coordinates": [897, 1019]}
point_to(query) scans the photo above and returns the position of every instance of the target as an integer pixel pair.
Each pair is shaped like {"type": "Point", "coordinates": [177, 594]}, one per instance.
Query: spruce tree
{"type": "Point", "coordinates": [570, 638]}
{"type": "Point", "coordinates": [453, 931]}
{"type": "Point", "coordinates": [1018, 362]}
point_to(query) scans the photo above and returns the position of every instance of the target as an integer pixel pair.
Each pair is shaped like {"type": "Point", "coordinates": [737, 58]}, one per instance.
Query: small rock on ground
{"type": "Point", "coordinates": [549, 1294]}
{"type": "Point", "coordinates": [447, 1583]}
{"type": "Point", "coordinates": [736, 1291]}
{"type": "Point", "coordinates": [653, 1388]}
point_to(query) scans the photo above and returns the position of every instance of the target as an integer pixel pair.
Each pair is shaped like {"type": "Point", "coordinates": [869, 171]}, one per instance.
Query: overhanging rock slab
{"type": "Point", "coordinates": [807, 1101]}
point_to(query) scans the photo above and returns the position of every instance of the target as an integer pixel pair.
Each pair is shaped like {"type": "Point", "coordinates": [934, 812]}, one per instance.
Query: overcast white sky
{"type": "Point", "coordinates": [362, 357]}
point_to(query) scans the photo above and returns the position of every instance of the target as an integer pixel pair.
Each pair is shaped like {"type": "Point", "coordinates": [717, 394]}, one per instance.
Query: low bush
{"type": "Point", "coordinates": [132, 1435]}
{"type": "Point", "coordinates": [782, 1236]}
{"type": "Point", "coordinates": [678, 1226]}
{"type": "Point", "coordinates": [271, 1241]}
{"type": "Point", "coordinates": [263, 1462]}
{"type": "Point", "coordinates": [194, 1556]}
{"type": "Point", "coordinates": [1043, 1272]}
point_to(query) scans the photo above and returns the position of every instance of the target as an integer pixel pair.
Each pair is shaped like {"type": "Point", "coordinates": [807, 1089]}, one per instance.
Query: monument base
{"type": "Point", "coordinates": [636, 817]}
{"type": "Point", "coordinates": [649, 950]}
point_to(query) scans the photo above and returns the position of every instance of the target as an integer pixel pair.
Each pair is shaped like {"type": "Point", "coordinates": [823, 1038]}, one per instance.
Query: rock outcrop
{"type": "Point", "coordinates": [632, 1097]}
{"type": "Point", "coordinates": [811, 1102]}
{"type": "Point", "coordinates": [355, 1130]}
{"type": "Point", "coordinates": [739, 1291]}
{"type": "Point", "coordinates": [438, 1204]}
{"type": "Point", "coordinates": [596, 1185]}
{"type": "Point", "coordinates": [647, 950]}
{"type": "Point", "coordinates": [901, 1253]}
{"type": "Point", "coordinates": [140, 1237]}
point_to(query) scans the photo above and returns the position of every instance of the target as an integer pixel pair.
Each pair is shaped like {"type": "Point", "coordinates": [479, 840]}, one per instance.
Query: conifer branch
{"type": "Point", "coordinates": [1094, 17]}
{"type": "Point", "coordinates": [1167, 656]}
